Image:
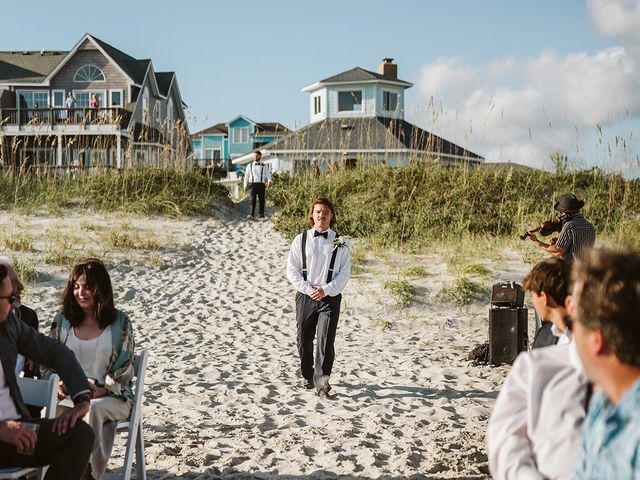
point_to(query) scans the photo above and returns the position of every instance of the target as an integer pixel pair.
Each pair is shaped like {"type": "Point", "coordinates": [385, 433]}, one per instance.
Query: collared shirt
{"type": "Point", "coordinates": [319, 251]}
{"type": "Point", "coordinates": [576, 237]}
{"type": "Point", "coordinates": [8, 409]}
{"type": "Point", "coordinates": [257, 173]}
{"type": "Point", "coordinates": [534, 430]}
{"type": "Point", "coordinates": [610, 446]}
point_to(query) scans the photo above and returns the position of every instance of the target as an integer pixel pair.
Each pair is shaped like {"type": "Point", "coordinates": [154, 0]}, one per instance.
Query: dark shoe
{"type": "Point", "coordinates": [323, 392]}
{"type": "Point", "coordinates": [308, 384]}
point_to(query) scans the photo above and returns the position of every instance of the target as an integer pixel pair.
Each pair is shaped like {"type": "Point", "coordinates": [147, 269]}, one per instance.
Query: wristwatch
{"type": "Point", "coordinates": [84, 397]}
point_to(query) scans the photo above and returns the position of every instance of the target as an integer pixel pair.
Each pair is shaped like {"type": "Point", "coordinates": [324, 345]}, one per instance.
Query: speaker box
{"type": "Point", "coordinates": [508, 334]}
{"type": "Point", "coordinates": [507, 294]}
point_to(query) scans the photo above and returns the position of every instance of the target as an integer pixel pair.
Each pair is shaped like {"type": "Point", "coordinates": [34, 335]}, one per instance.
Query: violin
{"type": "Point", "coordinates": [547, 228]}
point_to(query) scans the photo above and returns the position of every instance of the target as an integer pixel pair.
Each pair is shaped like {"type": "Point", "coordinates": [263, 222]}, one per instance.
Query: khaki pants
{"type": "Point", "coordinates": [101, 417]}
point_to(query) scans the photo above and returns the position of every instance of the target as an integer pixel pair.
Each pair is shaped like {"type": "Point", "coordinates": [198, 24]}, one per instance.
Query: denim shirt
{"type": "Point", "coordinates": [611, 438]}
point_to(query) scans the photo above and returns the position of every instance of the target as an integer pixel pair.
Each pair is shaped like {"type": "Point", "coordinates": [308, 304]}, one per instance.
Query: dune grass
{"type": "Point", "coordinates": [415, 206]}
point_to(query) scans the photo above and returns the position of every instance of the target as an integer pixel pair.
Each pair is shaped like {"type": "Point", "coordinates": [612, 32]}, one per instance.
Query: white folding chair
{"type": "Point", "coordinates": [133, 425]}
{"type": "Point", "coordinates": [38, 393]}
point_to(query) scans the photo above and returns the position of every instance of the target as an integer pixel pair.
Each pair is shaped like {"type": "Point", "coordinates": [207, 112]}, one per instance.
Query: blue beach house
{"type": "Point", "coordinates": [355, 118]}
{"type": "Point", "coordinates": [217, 146]}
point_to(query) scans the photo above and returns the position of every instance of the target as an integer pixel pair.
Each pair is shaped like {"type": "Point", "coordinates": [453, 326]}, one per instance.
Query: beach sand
{"type": "Point", "coordinates": [210, 301]}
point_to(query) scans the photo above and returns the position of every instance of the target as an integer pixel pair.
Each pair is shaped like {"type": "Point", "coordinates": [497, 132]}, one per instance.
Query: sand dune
{"type": "Point", "coordinates": [223, 400]}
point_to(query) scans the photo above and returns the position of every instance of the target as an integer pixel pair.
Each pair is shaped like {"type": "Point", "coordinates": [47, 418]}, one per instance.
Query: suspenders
{"type": "Point", "coordinates": [303, 248]}
{"type": "Point", "coordinates": [253, 177]}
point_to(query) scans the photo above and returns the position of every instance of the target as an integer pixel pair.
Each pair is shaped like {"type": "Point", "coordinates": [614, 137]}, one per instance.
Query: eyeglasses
{"type": "Point", "coordinates": [10, 298]}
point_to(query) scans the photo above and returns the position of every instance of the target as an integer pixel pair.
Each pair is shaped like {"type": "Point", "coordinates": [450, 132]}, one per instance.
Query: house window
{"type": "Point", "coordinates": [57, 97]}
{"type": "Point", "coordinates": [83, 97]}
{"type": "Point", "coordinates": [389, 101]}
{"type": "Point", "coordinates": [157, 111]}
{"type": "Point", "coordinates": [88, 73]}
{"type": "Point", "coordinates": [145, 104]}
{"type": "Point", "coordinates": [350, 101]}
{"type": "Point", "coordinates": [116, 98]}
{"type": "Point", "coordinates": [212, 154]}
{"type": "Point", "coordinates": [170, 113]}
{"type": "Point", "coordinates": [33, 99]}
{"type": "Point", "coordinates": [316, 105]}
{"type": "Point", "coordinates": [241, 135]}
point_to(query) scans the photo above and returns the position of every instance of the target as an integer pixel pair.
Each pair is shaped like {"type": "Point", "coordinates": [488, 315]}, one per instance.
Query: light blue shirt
{"type": "Point", "coordinates": [611, 438]}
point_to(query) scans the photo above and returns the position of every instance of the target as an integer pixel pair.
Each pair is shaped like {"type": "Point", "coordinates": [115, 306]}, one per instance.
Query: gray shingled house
{"type": "Point", "coordinates": [356, 118]}
{"type": "Point", "coordinates": [91, 106]}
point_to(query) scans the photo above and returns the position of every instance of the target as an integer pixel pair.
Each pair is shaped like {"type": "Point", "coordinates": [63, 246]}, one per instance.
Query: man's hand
{"type": "Point", "coordinates": [17, 434]}
{"type": "Point", "coordinates": [97, 392]}
{"type": "Point", "coordinates": [69, 418]}
{"type": "Point", "coordinates": [62, 390]}
{"type": "Point", "coordinates": [318, 293]}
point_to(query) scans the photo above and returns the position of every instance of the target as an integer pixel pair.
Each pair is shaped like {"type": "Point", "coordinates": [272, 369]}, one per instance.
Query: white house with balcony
{"type": "Point", "coordinates": [357, 117]}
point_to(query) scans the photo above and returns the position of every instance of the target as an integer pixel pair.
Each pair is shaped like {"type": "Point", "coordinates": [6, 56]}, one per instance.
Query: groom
{"type": "Point", "coordinates": [318, 267]}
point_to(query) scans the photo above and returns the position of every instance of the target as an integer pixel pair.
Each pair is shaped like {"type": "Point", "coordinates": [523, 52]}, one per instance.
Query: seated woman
{"type": "Point", "coordinates": [102, 339]}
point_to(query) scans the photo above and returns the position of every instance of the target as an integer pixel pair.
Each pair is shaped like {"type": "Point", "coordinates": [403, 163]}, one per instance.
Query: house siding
{"type": "Point", "coordinates": [237, 149]}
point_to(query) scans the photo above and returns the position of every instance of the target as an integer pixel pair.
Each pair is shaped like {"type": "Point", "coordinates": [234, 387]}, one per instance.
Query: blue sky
{"type": "Point", "coordinates": [512, 80]}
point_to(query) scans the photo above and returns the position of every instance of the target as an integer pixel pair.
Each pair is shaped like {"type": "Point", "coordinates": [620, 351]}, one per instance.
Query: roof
{"type": "Point", "coordinates": [270, 129]}
{"type": "Point", "coordinates": [217, 129]}
{"type": "Point", "coordinates": [371, 133]}
{"type": "Point", "coordinates": [497, 166]}
{"type": "Point", "coordinates": [357, 74]}
{"type": "Point", "coordinates": [28, 67]}
{"type": "Point", "coordinates": [164, 82]}
{"type": "Point", "coordinates": [136, 69]}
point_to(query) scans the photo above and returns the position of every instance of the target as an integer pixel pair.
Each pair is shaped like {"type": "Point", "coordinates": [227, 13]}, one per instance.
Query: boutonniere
{"type": "Point", "coordinates": [338, 242]}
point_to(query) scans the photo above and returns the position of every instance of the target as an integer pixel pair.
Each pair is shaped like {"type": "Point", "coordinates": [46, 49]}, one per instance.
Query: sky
{"type": "Point", "coordinates": [510, 80]}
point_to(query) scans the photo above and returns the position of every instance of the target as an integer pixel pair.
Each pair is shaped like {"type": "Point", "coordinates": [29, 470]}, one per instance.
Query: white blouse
{"type": "Point", "coordinates": [93, 355]}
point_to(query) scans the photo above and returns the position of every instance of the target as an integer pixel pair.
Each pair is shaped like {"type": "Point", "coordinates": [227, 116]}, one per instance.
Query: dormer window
{"type": "Point", "coordinates": [89, 73]}
{"type": "Point", "coordinates": [350, 101]}
{"type": "Point", "coordinates": [389, 101]}
{"type": "Point", "coordinates": [316, 105]}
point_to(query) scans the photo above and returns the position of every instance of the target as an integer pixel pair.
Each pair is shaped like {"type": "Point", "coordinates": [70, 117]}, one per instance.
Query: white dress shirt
{"type": "Point", "coordinates": [257, 173]}
{"type": "Point", "coordinates": [534, 430]}
{"type": "Point", "coordinates": [8, 409]}
{"type": "Point", "coordinates": [319, 251]}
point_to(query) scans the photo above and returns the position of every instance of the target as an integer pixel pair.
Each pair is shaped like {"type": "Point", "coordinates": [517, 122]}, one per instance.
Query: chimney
{"type": "Point", "coordinates": [388, 68]}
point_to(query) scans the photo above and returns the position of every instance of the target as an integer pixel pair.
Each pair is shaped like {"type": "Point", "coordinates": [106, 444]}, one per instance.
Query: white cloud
{"type": "Point", "coordinates": [616, 18]}
{"type": "Point", "coordinates": [521, 110]}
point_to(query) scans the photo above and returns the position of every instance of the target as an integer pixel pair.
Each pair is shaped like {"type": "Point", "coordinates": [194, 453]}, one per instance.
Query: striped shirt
{"type": "Point", "coordinates": [576, 237]}
{"type": "Point", "coordinates": [611, 438]}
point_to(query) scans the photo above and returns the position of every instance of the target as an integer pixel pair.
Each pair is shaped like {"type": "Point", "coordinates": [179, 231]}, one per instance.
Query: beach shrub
{"type": "Point", "coordinates": [145, 191]}
{"type": "Point", "coordinates": [425, 203]}
{"type": "Point", "coordinates": [401, 292]}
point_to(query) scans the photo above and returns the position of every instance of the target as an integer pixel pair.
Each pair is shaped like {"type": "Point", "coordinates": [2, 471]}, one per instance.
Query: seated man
{"type": "Point", "coordinates": [607, 332]}
{"type": "Point", "coordinates": [27, 367]}
{"type": "Point", "coordinates": [534, 429]}
{"type": "Point", "coordinates": [64, 443]}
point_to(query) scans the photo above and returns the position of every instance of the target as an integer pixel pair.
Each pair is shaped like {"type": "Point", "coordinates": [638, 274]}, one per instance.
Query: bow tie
{"type": "Point", "coordinates": [316, 233]}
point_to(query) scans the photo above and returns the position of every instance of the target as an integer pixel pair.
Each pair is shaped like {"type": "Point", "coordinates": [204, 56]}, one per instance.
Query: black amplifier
{"type": "Point", "coordinates": [507, 294]}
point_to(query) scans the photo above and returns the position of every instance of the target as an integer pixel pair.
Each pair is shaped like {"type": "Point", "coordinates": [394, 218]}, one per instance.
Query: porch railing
{"type": "Point", "coordinates": [64, 116]}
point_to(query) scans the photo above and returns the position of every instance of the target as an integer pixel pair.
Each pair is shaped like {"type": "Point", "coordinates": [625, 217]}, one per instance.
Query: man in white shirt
{"type": "Point", "coordinates": [318, 267]}
{"type": "Point", "coordinates": [534, 429]}
{"type": "Point", "coordinates": [256, 178]}
{"type": "Point", "coordinates": [64, 443]}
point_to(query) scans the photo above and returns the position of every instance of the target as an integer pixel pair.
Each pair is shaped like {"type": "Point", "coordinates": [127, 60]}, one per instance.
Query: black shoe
{"type": "Point", "coordinates": [323, 392]}
{"type": "Point", "coordinates": [308, 384]}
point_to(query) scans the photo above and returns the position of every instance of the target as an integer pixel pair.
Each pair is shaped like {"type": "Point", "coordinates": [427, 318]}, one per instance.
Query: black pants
{"type": "Point", "coordinates": [319, 319]}
{"type": "Point", "coordinates": [67, 455]}
{"type": "Point", "coordinates": [257, 190]}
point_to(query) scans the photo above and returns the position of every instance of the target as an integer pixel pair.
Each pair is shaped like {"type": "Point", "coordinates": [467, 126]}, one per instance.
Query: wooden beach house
{"type": "Point", "coordinates": [218, 145]}
{"type": "Point", "coordinates": [91, 106]}
{"type": "Point", "coordinates": [355, 118]}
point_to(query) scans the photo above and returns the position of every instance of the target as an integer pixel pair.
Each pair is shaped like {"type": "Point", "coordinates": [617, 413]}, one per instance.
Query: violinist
{"type": "Point", "coordinates": [577, 235]}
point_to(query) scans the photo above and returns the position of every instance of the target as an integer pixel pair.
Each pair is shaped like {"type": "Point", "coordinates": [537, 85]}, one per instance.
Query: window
{"type": "Point", "coordinates": [350, 101]}
{"type": "Point", "coordinates": [83, 97]}
{"type": "Point", "coordinates": [145, 104]}
{"type": "Point", "coordinates": [316, 105]}
{"type": "Point", "coordinates": [212, 154]}
{"type": "Point", "coordinates": [170, 113]}
{"type": "Point", "coordinates": [33, 99]}
{"type": "Point", "coordinates": [57, 97]}
{"type": "Point", "coordinates": [241, 135]}
{"type": "Point", "coordinates": [389, 101]}
{"type": "Point", "coordinates": [116, 98]}
{"type": "Point", "coordinates": [157, 111]}
{"type": "Point", "coordinates": [89, 73]}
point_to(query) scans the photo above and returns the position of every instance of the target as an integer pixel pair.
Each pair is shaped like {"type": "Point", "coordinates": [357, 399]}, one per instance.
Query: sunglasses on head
{"type": "Point", "coordinates": [10, 298]}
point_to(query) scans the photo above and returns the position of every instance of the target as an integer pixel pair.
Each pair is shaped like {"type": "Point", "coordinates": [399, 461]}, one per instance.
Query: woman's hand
{"type": "Point", "coordinates": [97, 392]}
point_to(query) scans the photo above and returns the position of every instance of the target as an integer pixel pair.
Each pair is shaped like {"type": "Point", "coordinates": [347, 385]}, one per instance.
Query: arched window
{"type": "Point", "coordinates": [89, 73]}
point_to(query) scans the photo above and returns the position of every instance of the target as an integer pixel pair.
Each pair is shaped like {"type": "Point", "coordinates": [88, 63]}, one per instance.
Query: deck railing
{"type": "Point", "coordinates": [64, 116]}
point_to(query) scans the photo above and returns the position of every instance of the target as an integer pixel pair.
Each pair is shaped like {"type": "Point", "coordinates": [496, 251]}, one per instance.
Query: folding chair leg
{"type": "Point", "coordinates": [141, 466]}
{"type": "Point", "coordinates": [128, 458]}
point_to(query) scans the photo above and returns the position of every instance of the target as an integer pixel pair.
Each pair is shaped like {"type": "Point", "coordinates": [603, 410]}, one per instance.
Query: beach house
{"type": "Point", "coordinates": [357, 117]}
{"type": "Point", "coordinates": [93, 105]}
{"type": "Point", "coordinates": [218, 145]}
